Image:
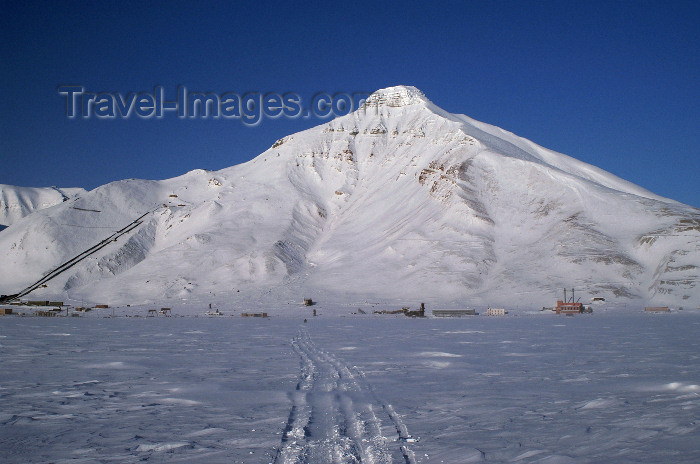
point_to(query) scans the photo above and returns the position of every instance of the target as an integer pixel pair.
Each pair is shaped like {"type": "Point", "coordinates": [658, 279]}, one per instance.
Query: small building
{"type": "Point", "coordinates": [308, 302]}
{"type": "Point", "coordinates": [418, 313]}
{"type": "Point", "coordinates": [657, 309]}
{"type": "Point", "coordinates": [454, 312]}
{"type": "Point", "coordinates": [152, 313]}
{"type": "Point", "coordinates": [5, 311]}
{"type": "Point", "coordinates": [568, 308]}
{"type": "Point", "coordinates": [45, 313]}
{"type": "Point", "coordinates": [8, 298]}
{"type": "Point", "coordinates": [101, 306]}
{"type": "Point", "coordinates": [253, 314]}
{"type": "Point", "coordinates": [496, 312]}
{"type": "Point", "coordinates": [165, 311]}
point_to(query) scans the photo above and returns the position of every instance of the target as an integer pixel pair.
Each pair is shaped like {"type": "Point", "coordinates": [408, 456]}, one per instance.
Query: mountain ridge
{"type": "Point", "coordinates": [399, 200]}
{"type": "Point", "coordinates": [18, 202]}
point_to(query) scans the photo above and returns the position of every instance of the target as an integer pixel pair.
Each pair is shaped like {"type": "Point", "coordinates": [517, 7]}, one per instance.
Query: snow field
{"type": "Point", "coordinates": [601, 388]}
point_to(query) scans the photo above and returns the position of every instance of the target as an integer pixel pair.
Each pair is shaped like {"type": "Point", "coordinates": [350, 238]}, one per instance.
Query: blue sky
{"type": "Point", "coordinates": [615, 84]}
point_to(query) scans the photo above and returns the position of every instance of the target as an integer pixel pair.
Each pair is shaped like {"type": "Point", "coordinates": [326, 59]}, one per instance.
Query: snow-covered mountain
{"type": "Point", "coordinates": [399, 201]}
{"type": "Point", "coordinates": [17, 202]}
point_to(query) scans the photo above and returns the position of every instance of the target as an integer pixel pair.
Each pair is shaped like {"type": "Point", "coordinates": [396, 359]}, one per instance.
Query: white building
{"type": "Point", "coordinates": [495, 312]}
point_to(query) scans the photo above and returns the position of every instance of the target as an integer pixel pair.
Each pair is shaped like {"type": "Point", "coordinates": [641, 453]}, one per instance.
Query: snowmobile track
{"type": "Point", "coordinates": [333, 418]}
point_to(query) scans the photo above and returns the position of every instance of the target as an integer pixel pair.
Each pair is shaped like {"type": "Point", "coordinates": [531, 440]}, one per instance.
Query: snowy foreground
{"type": "Point", "coordinates": [604, 388]}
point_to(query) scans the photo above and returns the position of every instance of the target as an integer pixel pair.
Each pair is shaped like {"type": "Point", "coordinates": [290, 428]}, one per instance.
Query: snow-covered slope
{"type": "Point", "coordinates": [399, 200]}
{"type": "Point", "coordinates": [17, 202]}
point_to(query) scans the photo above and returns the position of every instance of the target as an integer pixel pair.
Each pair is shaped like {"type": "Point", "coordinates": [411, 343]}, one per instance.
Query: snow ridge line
{"type": "Point", "coordinates": [333, 419]}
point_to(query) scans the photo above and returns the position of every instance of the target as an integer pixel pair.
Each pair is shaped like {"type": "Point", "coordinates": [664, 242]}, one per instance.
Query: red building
{"type": "Point", "coordinates": [568, 308]}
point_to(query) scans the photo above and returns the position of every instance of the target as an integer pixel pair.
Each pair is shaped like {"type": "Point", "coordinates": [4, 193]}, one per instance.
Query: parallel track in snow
{"type": "Point", "coordinates": [334, 416]}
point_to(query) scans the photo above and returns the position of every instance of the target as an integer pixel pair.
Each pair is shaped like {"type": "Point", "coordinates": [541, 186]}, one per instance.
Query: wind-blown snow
{"type": "Point", "coordinates": [613, 387]}
{"type": "Point", "coordinates": [398, 201]}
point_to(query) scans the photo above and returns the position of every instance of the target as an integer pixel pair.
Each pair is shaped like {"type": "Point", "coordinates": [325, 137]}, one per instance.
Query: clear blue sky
{"type": "Point", "coordinates": [615, 84]}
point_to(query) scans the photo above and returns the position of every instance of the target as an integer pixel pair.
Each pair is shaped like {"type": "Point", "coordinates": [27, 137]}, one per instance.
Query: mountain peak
{"type": "Point", "coordinates": [397, 96]}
